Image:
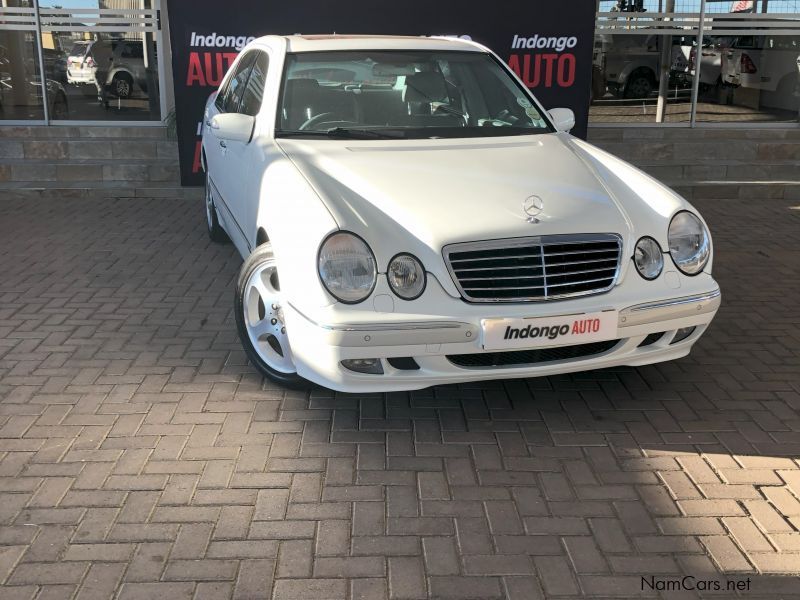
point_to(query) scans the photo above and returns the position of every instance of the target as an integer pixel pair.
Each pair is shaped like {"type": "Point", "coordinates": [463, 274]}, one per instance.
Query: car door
{"type": "Point", "coordinates": [239, 178]}
{"type": "Point", "coordinates": [242, 180]}
{"type": "Point", "coordinates": [218, 156]}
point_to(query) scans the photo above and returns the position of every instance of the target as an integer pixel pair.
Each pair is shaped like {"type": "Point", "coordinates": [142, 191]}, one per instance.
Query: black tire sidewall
{"type": "Point", "coordinates": [629, 88]}
{"type": "Point", "coordinates": [289, 380]}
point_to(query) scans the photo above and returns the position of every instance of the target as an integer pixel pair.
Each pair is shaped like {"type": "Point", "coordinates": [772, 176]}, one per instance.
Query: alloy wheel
{"type": "Point", "coordinates": [123, 88]}
{"type": "Point", "coordinates": [263, 317]}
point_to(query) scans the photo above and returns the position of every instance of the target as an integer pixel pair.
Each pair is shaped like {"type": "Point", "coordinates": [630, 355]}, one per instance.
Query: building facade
{"type": "Point", "coordinates": [661, 63]}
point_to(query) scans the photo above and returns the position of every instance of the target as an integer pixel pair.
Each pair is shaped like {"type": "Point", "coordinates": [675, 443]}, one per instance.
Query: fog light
{"type": "Point", "coordinates": [370, 366]}
{"type": "Point", "coordinates": [682, 334]}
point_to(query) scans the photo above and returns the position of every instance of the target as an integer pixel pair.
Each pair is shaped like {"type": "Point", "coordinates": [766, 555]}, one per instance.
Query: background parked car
{"type": "Point", "coordinates": [797, 86]}
{"type": "Point", "coordinates": [127, 68]}
{"type": "Point", "coordinates": [125, 73]}
{"type": "Point", "coordinates": [12, 108]}
{"type": "Point", "coordinates": [710, 60]}
{"type": "Point", "coordinates": [80, 64]}
{"type": "Point", "coordinates": [630, 64]}
{"type": "Point", "coordinates": [766, 63]}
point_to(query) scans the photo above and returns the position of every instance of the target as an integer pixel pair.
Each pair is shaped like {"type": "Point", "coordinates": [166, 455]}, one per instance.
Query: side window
{"type": "Point", "coordinates": [228, 98]}
{"type": "Point", "coordinates": [254, 90]}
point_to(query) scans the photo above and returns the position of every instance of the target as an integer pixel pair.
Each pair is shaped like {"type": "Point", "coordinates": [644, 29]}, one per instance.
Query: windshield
{"type": "Point", "coordinates": [419, 94]}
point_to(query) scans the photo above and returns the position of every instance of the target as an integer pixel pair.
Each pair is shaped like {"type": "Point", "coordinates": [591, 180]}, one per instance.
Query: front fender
{"type": "Point", "coordinates": [648, 203]}
{"type": "Point", "coordinates": [296, 221]}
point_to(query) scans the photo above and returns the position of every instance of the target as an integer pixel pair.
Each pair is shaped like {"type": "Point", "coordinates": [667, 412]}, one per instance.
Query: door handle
{"type": "Point", "coordinates": [222, 144]}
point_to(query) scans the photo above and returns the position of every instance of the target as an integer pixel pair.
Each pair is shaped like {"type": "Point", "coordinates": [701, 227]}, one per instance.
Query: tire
{"type": "Point", "coordinates": [215, 231]}
{"type": "Point", "coordinates": [257, 303]}
{"type": "Point", "coordinates": [122, 85]}
{"type": "Point", "coordinates": [640, 85]}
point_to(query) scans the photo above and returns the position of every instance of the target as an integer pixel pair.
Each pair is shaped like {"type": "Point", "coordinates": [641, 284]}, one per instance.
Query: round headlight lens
{"type": "Point", "coordinates": [406, 276]}
{"type": "Point", "coordinates": [689, 243]}
{"type": "Point", "coordinates": [347, 267]}
{"type": "Point", "coordinates": [648, 258]}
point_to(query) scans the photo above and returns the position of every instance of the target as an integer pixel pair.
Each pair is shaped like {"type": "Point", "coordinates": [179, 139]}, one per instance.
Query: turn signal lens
{"type": "Point", "coordinates": [648, 258]}
{"type": "Point", "coordinates": [406, 276]}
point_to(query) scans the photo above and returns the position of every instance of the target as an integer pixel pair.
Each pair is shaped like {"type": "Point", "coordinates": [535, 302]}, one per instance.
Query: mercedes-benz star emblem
{"type": "Point", "coordinates": [533, 207]}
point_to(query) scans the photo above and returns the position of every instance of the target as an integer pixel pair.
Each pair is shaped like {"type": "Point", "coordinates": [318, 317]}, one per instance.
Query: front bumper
{"type": "Point", "coordinates": [435, 343]}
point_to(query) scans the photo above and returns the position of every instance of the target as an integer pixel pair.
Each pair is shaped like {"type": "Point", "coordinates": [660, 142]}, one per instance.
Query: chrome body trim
{"type": "Point", "coordinates": [671, 309]}
{"type": "Point", "coordinates": [402, 326]}
{"type": "Point", "coordinates": [675, 302]}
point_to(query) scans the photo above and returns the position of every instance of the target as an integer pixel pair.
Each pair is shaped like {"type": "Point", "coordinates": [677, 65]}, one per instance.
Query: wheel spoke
{"type": "Point", "coordinates": [262, 328]}
{"type": "Point", "coordinates": [268, 296]}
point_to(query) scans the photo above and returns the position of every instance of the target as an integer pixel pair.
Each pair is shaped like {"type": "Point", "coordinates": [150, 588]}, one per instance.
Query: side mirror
{"type": "Point", "coordinates": [235, 127]}
{"type": "Point", "coordinates": [563, 119]}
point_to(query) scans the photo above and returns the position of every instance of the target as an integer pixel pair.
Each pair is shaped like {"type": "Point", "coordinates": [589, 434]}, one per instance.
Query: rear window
{"type": "Point", "coordinates": [78, 49]}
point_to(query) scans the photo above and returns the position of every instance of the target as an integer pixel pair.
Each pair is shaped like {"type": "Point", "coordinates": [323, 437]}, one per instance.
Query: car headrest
{"type": "Point", "coordinates": [425, 87]}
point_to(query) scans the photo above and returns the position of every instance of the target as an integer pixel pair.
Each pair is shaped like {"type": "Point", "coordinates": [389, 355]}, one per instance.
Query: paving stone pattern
{"type": "Point", "coordinates": [141, 457]}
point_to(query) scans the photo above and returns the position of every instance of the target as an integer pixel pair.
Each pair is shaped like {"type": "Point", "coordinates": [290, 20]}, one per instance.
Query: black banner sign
{"type": "Point", "coordinates": [548, 43]}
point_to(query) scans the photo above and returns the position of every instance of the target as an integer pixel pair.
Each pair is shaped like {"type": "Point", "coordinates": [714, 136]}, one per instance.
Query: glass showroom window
{"type": "Point", "coordinates": [687, 62]}
{"type": "Point", "coordinates": [99, 59]}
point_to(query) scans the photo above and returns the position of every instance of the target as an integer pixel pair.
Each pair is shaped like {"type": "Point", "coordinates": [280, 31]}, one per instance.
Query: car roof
{"type": "Point", "coordinates": [315, 43]}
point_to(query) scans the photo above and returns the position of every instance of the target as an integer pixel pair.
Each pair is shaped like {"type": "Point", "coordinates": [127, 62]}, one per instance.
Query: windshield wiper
{"type": "Point", "coordinates": [341, 132]}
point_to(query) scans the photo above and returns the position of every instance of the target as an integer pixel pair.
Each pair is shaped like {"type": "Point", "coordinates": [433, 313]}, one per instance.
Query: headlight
{"type": "Point", "coordinates": [648, 258]}
{"type": "Point", "coordinates": [689, 243]}
{"type": "Point", "coordinates": [347, 267]}
{"type": "Point", "coordinates": [406, 277]}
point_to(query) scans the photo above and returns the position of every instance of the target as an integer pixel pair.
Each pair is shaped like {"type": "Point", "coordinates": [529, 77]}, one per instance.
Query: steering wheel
{"type": "Point", "coordinates": [315, 119]}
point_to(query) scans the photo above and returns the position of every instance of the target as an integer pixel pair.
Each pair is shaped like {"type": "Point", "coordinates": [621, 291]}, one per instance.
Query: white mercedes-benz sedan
{"type": "Point", "coordinates": [409, 215]}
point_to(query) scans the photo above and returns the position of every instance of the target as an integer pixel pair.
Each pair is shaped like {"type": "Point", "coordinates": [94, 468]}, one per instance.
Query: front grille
{"type": "Point", "coordinates": [536, 268]}
{"type": "Point", "coordinates": [530, 357]}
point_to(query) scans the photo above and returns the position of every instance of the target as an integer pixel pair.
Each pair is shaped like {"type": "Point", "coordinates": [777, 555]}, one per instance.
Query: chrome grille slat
{"type": "Point", "coordinates": [573, 283]}
{"type": "Point", "coordinates": [599, 251]}
{"type": "Point", "coordinates": [494, 289]}
{"type": "Point", "coordinates": [568, 273]}
{"type": "Point", "coordinates": [578, 262]}
{"type": "Point", "coordinates": [455, 260]}
{"type": "Point", "coordinates": [536, 268]}
{"type": "Point", "coordinates": [499, 268]}
{"type": "Point", "coordinates": [500, 278]}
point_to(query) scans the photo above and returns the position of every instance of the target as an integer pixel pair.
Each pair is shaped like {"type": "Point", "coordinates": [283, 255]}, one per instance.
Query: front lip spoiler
{"type": "Point", "coordinates": [674, 308]}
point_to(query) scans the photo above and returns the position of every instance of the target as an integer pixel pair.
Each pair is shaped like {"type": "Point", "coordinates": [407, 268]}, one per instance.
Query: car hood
{"type": "Point", "coordinates": [420, 195]}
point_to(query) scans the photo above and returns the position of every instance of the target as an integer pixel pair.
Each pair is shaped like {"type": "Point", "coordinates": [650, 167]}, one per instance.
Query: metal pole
{"type": "Point", "coordinates": [42, 73]}
{"type": "Point", "coordinates": [664, 68]}
{"type": "Point", "coordinates": [698, 63]}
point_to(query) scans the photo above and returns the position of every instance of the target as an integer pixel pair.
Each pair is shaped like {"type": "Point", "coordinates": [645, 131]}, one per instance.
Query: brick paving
{"type": "Point", "coordinates": [141, 457]}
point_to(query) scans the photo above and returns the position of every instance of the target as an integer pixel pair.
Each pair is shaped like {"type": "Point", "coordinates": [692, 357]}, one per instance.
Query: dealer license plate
{"type": "Point", "coordinates": [541, 332]}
